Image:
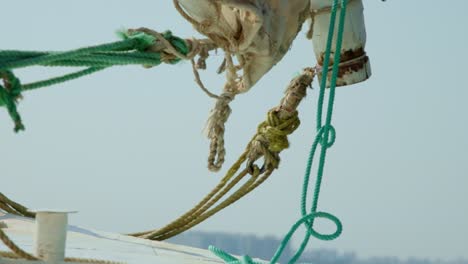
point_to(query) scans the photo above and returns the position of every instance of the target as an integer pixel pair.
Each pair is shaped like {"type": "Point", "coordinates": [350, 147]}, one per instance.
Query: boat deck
{"type": "Point", "coordinates": [87, 243]}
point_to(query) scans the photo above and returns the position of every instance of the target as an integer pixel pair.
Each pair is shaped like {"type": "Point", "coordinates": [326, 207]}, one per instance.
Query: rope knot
{"type": "Point", "coordinates": [229, 259]}
{"type": "Point", "coordinates": [272, 138]}
{"type": "Point", "coordinates": [172, 48]}
{"type": "Point", "coordinates": [10, 94]}
{"type": "Point", "coordinates": [326, 136]}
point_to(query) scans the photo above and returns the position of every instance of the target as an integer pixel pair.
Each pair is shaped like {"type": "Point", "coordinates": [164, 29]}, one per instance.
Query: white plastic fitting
{"type": "Point", "coordinates": [50, 236]}
{"type": "Point", "coordinates": [355, 63]}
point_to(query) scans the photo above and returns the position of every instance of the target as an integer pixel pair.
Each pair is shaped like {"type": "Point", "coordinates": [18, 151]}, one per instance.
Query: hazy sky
{"type": "Point", "coordinates": [125, 147]}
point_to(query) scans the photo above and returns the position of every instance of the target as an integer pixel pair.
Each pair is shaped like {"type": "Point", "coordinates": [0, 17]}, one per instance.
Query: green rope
{"type": "Point", "coordinates": [10, 93]}
{"type": "Point", "coordinates": [325, 137]}
{"type": "Point", "coordinates": [129, 51]}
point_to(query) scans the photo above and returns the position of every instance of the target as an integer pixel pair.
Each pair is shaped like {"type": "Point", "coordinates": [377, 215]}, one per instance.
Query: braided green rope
{"type": "Point", "coordinates": [129, 51]}
{"type": "Point", "coordinates": [325, 137]}
{"type": "Point", "coordinates": [9, 94]}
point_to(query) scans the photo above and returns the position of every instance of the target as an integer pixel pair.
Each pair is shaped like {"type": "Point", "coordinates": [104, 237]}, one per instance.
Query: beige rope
{"type": "Point", "coordinates": [12, 207]}
{"type": "Point", "coordinates": [281, 121]}
{"type": "Point", "coordinates": [9, 255]}
{"type": "Point", "coordinates": [215, 128]}
{"type": "Point", "coordinates": [200, 83]}
{"type": "Point", "coordinates": [13, 247]}
{"type": "Point", "coordinates": [282, 118]}
{"type": "Point", "coordinates": [184, 14]}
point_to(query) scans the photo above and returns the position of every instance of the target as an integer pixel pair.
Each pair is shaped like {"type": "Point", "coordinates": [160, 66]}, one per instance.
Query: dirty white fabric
{"type": "Point", "coordinates": [257, 32]}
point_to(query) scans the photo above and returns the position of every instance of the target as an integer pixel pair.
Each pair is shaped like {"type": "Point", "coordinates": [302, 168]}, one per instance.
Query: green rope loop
{"type": "Point", "coordinates": [310, 217]}
{"type": "Point", "coordinates": [131, 50]}
{"type": "Point", "coordinates": [325, 237]}
{"type": "Point", "coordinates": [325, 138]}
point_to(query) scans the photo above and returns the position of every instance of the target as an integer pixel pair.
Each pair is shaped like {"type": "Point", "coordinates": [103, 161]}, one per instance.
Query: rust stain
{"type": "Point", "coordinates": [347, 55]}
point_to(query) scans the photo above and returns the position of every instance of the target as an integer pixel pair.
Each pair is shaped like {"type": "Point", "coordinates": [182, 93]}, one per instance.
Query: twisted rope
{"type": "Point", "coordinates": [271, 137]}
{"type": "Point", "coordinates": [10, 93]}
{"type": "Point", "coordinates": [143, 46]}
{"type": "Point", "coordinates": [136, 48]}
{"type": "Point", "coordinates": [282, 121]}
{"type": "Point", "coordinates": [325, 138]}
{"type": "Point", "coordinates": [12, 207]}
{"type": "Point", "coordinates": [14, 248]}
{"type": "Point", "coordinates": [215, 128]}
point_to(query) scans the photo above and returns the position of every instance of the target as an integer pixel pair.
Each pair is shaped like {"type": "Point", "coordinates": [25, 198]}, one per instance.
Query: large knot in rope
{"type": "Point", "coordinates": [272, 138]}
{"type": "Point", "coordinates": [10, 93]}
{"type": "Point", "coordinates": [172, 49]}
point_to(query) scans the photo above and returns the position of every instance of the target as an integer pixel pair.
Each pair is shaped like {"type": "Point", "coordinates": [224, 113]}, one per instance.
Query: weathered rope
{"type": "Point", "coordinates": [139, 46]}
{"type": "Point", "coordinates": [136, 48]}
{"type": "Point", "coordinates": [215, 128]}
{"type": "Point", "coordinates": [150, 49]}
{"type": "Point", "coordinates": [234, 83]}
{"type": "Point", "coordinates": [143, 46]}
{"type": "Point", "coordinates": [12, 207]}
{"type": "Point", "coordinates": [14, 248]}
{"type": "Point", "coordinates": [281, 121]}
{"type": "Point", "coordinates": [10, 93]}
{"type": "Point", "coordinates": [325, 138]}
{"type": "Point", "coordinates": [195, 67]}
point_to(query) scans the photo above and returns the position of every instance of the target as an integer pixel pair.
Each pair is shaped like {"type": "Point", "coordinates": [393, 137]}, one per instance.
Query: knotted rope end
{"type": "Point", "coordinates": [143, 39]}
{"type": "Point", "coordinates": [10, 94]}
